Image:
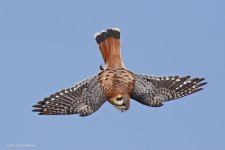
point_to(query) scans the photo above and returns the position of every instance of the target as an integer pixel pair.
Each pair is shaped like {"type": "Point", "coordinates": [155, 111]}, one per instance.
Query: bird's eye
{"type": "Point", "coordinates": [119, 98]}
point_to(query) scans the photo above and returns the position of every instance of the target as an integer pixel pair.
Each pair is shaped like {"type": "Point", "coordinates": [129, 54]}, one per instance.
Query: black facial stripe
{"type": "Point", "coordinates": [120, 105]}
{"type": "Point", "coordinates": [119, 98]}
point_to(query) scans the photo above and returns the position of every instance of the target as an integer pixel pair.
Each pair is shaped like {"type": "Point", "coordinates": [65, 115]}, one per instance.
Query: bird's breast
{"type": "Point", "coordinates": [117, 81]}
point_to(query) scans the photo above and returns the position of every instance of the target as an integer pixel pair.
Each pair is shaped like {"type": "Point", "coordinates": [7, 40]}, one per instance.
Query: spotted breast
{"type": "Point", "coordinates": [117, 81]}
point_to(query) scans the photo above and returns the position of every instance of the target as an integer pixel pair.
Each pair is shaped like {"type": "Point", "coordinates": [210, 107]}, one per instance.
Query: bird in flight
{"type": "Point", "coordinates": [117, 85]}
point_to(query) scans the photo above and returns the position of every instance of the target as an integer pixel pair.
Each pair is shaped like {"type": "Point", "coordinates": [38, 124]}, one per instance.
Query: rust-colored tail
{"type": "Point", "coordinates": [109, 45]}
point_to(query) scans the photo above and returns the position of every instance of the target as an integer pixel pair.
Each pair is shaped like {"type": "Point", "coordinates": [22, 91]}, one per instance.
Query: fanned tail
{"type": "Point", "coordinates": [109, 45]}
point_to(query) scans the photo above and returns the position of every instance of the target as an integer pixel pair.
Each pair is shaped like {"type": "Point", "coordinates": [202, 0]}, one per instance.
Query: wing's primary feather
{"type": "Point", "coordinates": [84, 99]}
{"type": "Point", "coordinates": [153, 91]}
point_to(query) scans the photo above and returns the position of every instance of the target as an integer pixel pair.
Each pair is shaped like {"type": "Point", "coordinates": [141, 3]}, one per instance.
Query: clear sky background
{"type": "Point", "coordinates": [49, 45]}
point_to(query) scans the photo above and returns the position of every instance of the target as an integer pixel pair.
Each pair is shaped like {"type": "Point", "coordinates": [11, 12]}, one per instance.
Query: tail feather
{"type": "Point", "coordinates": [109, 45]}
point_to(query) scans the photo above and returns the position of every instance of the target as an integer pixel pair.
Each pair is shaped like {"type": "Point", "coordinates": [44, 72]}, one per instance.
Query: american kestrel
{"type": "Point", "coordinates": [117, 85]}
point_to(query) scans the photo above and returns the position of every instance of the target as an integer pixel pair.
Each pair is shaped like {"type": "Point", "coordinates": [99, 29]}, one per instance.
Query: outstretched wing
{"type": "Point", "coordinates": [84, 99]}
{"type": "Point", "coordinates": [153, 91]}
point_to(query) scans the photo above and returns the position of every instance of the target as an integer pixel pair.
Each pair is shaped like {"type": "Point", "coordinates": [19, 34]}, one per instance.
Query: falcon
{"type": "Point", "coordinates": [117, 85]}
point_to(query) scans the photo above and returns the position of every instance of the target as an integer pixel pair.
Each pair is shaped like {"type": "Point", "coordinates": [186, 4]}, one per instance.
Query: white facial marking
{"type": "Point", "coordinates": [119, 102]}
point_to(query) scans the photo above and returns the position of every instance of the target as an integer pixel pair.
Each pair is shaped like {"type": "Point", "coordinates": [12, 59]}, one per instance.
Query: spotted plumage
{"type": "Point", "coordinates": [118, 79]}
{"type": "Point", "coordinates": [153, 91]}
{"type": "Point", "coordinates": [84, 98]}
{"type": "Point", "coordinates": [117, 85]}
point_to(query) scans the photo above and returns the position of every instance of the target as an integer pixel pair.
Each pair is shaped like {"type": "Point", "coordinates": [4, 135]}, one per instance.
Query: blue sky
{"type": "Point", "coordinates": [49, 45]}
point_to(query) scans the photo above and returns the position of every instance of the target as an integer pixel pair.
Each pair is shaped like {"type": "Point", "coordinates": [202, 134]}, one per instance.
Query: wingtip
{"type": "Point", "coordinates": [36, 110]}
{"type": "Point", "coordinates": [37, 106]}
{"type": "Point", "coordinates": [196, 90]}
{"type": "Point", "coordinates": [201, 79]}
{"type": "Point", "coordinates": [188, 77]}
{"type": "Point", "coordinates": [203, 83]}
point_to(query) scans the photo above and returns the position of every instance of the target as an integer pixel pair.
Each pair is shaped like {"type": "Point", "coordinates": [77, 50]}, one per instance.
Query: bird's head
{"type": "Point", "coordinates": [121, 102]}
